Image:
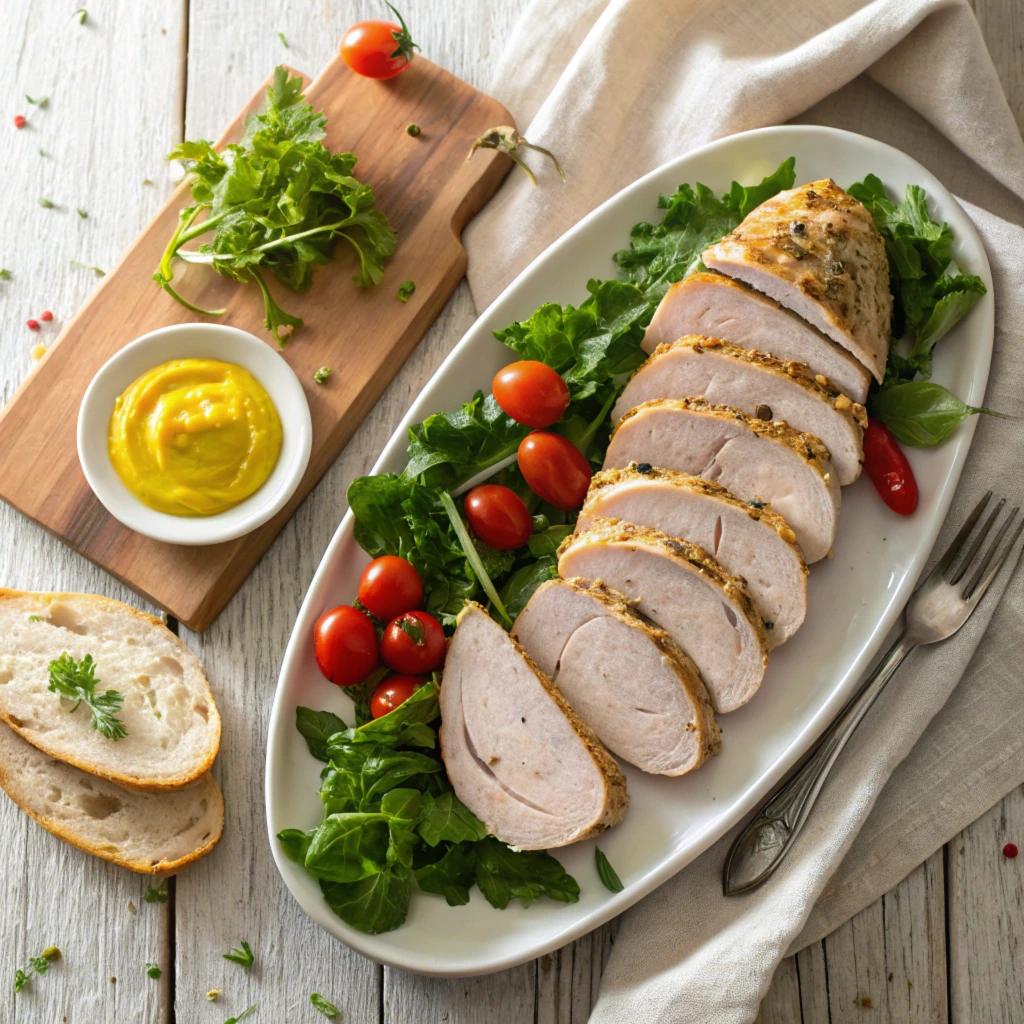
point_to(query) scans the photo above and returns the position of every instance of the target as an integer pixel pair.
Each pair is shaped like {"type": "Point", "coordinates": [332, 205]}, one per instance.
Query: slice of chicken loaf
{"type": "Point", "coordinates": [153, 833]}
{"type": "Point", "coordinates": [760, 461]}
{"type": "Point", "coordinates": [720, 307]}
{"type": "Point", "coordinates": [173, 728]}
{"type": "Point", "coordinates": [626, 679]}
{"type": "Point", "coordinates": [757, 384]}
{"type": "Point", "coordinates": [680, 587]}
{"type": "Point", "coordinates": [755, 543]}
{"type": "Point", "coordinates": [516, 753]}
{"type": "Point", "coordinates": [817, 251]}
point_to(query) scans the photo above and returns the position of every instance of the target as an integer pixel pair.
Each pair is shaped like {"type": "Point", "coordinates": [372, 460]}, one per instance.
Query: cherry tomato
{"type": "Point", "coordinates": [389, 586]}
{"type": "Point", "coordinates": [378, 49]}
{"type": "Point", "coordinates": [413, 643]}
{"type": "Point", "coordinates": [888, 469]}
{"type": "Point", "coordinates": [531, 392]}
{"type": "Point", "coordinates": [393, 691]}
{"type": "Point", "coordinates": [555, 469]}
{"type": "Point", "coordinates": [499, 517]}
{"type": "Point", "coordinates": [346, 645]}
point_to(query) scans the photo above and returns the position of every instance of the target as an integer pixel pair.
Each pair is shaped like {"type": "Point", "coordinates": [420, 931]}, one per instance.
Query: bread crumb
{"type": "Point", "coordinates": [865, 1002]}
{"type": "Point", "coordinates": [212, 994]}
{"type": "Point", "coordinates": [132, 908]}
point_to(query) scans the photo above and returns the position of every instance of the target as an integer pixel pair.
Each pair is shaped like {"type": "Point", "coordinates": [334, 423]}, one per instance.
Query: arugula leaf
{"type": "Point", "coordinates": [504, 875]}
{"type": "Point", "coordinates": [452, 876]}
{"type": "Point", "coordinates": [609, 878]}
{"type": "Point", "coordinates": [76, 680]}
{"type": "Point", "coordinates": [242, 955]}
{"type": "Point", "coordinates": [328, 1009]}
{"type": "Point", "coordinates": [446, 818]}
{"type": "Point", "coordinates": [278, 200]}
{"type": "Point", "coordinates": [921, 413]}
{"type": "Point", "coordinates": [659, 255]}
{"type": "Point", "coordinates": [316, 727]}
{"type": "Point", "coordinates": [375, 904]}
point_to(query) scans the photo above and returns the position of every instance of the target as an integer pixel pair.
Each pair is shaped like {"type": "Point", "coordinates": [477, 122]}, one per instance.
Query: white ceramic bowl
{"type": "Point", "coordinates": [195, 341]}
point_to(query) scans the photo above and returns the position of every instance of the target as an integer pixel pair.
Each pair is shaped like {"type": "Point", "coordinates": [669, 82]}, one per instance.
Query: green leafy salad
{"type": "Point", "coordinates": [391, 821]}
{"type": "Point", "coordinates": [279, 200]}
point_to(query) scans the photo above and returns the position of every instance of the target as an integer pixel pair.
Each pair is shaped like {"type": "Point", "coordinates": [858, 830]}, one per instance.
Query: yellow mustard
{"type": "Point", "coordinates": [194, 437]}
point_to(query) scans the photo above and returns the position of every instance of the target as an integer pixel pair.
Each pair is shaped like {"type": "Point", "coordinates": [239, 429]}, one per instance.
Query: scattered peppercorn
{"type": "Point", "coordinates": [1010, 851]}
{"type": "Point", "coordinates": [33, 325]}
{"type": "Point", "coordinates": [413, 130]}
{"type": "Point", "coordinates": [19, 121]}
{"type": "Point", "coordinates": [46, 315]}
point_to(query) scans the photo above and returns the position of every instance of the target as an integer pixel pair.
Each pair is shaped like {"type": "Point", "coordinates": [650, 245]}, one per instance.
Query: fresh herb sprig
{"type": "Point", "coordinates": [39, 964]}
{"type": "Point", "coordinates": [325, 1006]}
{"type": "Point", "coordinates": [280, 201]}
{"type": "Point", "coordinates": [242, 955]}
{"type": "Point", "coordinates": [392, 823]}
{"type": "Point", "coordinates": [608, 875]}
{"type": "Point", "coordinates": [76, 680]}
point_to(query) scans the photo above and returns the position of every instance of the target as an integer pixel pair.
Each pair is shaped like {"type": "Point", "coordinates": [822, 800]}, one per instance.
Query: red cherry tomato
{"type": "Point", "coordinates": [389, 586]}
{"type": "Point", "coordinates": [346, 645]}
{"type": "Point", "coordinates": [378, 49]}
{"type": "Point", "coordinates": [393, 691]}
{"type": "Point", "coordinates": [555, 469]}
{"type": "Point", "coordinates": [531, 392]}
{"type": "Point", "coordinates": [499, 517]}
{"type": "Point", "coordinates": [888, 469]}
{"type": "Point", "coordinates": [413, 643]}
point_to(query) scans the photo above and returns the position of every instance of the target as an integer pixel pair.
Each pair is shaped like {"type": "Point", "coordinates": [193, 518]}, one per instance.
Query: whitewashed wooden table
{"type": "Point", "coordinates": [123, 88]}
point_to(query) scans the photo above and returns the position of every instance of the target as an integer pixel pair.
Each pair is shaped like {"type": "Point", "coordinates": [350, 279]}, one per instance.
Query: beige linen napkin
{"type": "Point", "coordinates": [618, 88]}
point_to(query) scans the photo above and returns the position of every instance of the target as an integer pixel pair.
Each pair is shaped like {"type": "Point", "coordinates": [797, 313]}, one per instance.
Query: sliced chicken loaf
{"type": "Point", "coordinates": [757, 384]}
{"type": "Point", "coordinates": [173, 728]}
{"type": "Point", "coordinates": [517, 754]}
{"type": "Point", "coordinates": [758, 460]}
{"type": "Point", "coordinates": [153, 833]}
{"type": "Point", "coordinates": [680, 587]}
{"type": "Point", "coordinates": [626, 679]}
{"type": "Point", "coordinates": [720, 307]}
{"type": "Point", "coordinates": [755, 543]}
{"type": "Point", "coordinates": [817, 251]}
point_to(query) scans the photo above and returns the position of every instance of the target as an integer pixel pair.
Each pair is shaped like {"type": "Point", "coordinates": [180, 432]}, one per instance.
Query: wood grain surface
{"type": "Point", "coordinates": [949, 934]}
{"type": "Point", "coordinates": [427, 189]}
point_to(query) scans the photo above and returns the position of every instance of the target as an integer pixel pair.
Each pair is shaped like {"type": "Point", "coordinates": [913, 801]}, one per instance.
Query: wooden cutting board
{"type": "Point", "coordinates": [429, 192]}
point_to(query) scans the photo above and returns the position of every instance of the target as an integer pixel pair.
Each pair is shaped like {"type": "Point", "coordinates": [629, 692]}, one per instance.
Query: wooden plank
{"type": "Point", "coordinates": [507, 997]}
{"type": "Point", "coordinates": [568, 979]}
{"type": "Point", "coordinates": [781, 1005]}
{"type": "Point", "coordinates": [813, 973]}
{"type": "Point", "coordinates": [985, 891]}
{"type": "Point", "coordinates": [100, 141]}
{"type": "Point", "coordinates": [1002, 26]}
{"type": "Point", "coordinates": [428, 190]}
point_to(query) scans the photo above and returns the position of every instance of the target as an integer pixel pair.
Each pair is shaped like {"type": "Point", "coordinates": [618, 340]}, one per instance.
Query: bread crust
{"type": "Point", "coordinates": [185, 778]}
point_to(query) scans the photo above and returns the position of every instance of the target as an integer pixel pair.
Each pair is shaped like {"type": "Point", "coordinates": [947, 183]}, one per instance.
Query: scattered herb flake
{"type": "Point", "coordinates": [86, 266]}
{"type": "Point", "coordinates": [322, 374]}
{"type": "Point", "coordinates": [413, 130]}
{"type": "Point", "coordinates": [82, 213]}
{"type": "Point", "coordinates": [153, 970]}
{"type": "Point", "coordinates": [43, 101]}
{"type": "Point", "coordinates": [76, 680]}
{"type": "Point", "coordinates": [42, 152]}
{"type": "Point", "coordinates": [284, 42]}
{"type": "Point", "coordinates": [147, 181]}
{"type": "Point", "coordinates": [245, 1013]}
{"type": "Point", "coordinates": [81, 14]}
{"type": "Point", "coordinates": [20, 980]}
{"type": "Point", "coordinates": [405, 290]}
{"type": "Point", "coordinates": [241, 955]}
{"type": "Point", "coordinates": [609, 879]}
{"type": "Point", "coordinates": [152, 895]}
{"type": "Point", "coordinates": [5, 274]}
{"type": "Point", "coordinates": [328, 1009]}
{"type": "Point", "coordinates": [46, 204]}
{"type": "Point", "coordinates": [33, 618]}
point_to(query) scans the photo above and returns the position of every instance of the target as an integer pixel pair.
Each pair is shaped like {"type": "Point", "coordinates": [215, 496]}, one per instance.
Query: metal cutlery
{"type": "Point", "coordinates": [939, 606]}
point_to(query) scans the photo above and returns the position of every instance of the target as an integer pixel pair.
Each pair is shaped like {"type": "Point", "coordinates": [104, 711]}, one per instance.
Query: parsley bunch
{"type": "Point", "coordinates": [280, 201]}
{"type": "Point", "coordinates": [76, 680]}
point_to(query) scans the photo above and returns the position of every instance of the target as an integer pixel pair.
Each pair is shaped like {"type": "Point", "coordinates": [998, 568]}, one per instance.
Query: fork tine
{"type": "Point", "coordinates": [958, 574]}
{"type": "Point", "coordinates": [975, 590]}
{"type": "Point", "coordinates": [959, 540]}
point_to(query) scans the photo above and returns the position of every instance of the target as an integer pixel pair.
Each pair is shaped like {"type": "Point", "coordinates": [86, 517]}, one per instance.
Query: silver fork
{"type": "Point", "coordinates": [935, 611]}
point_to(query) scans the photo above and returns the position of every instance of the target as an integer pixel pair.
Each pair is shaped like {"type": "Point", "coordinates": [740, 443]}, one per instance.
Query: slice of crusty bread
{"type": "Point", "coordinates": [173, 725]}
{"type": "Point", "coordinates": [154, 833]}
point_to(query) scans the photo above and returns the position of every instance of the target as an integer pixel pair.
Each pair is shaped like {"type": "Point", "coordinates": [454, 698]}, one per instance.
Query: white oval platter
{"type": "Point", "coordinates": [854, 599]}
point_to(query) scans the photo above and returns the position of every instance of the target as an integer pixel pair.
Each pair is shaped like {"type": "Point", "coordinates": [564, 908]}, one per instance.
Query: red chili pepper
{"type": "Point", "coordinates": [1010, 850]}
{"type": "Point", "coordinates": [19, 121]}
{"type": "Point", "coordinates": [33, 325]}
{"type": "Point", "coordinates": [46, 315]}
{"type": "Point", "coordinates": [888, 469]}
